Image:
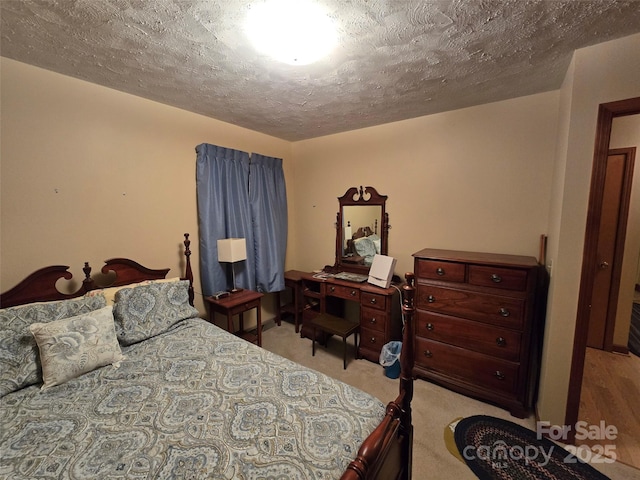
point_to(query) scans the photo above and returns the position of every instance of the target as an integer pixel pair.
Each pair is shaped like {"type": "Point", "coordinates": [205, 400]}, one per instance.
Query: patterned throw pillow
{"type": "Point", "coordinates": [110, 292]}
{"type": "Point", "coordinates": [19, 358]}
{"type": "Point", "coordinates": [149, 310]}
{"type": "Point", "coordinates": [76, 345]}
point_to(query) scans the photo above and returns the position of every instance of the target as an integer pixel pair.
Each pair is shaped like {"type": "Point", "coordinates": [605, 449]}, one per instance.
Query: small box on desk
{"type": "Point", "coordinates": [381, 270]}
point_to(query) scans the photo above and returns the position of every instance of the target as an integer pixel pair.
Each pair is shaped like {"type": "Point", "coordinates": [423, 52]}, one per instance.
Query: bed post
{"type": "Point", "coordinates": [188, 273]}
{"type": "Point", "coordinates": [87, 284]}
{"type": "Point", "coordinates": [407, 357]}
{"type": "Point", "coordinates": [387, 453]}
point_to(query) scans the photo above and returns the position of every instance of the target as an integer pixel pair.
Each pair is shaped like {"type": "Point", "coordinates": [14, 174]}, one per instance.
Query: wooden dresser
{"type": "Point", "coordinates": [477, 328]}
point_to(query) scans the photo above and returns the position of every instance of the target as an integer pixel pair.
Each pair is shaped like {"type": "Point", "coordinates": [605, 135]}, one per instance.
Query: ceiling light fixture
{"type": "Point", "coordinates": [297, 32]}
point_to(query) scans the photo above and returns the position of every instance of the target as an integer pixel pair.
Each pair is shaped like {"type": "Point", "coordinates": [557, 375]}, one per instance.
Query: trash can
{"type": "Point", "coordinates": [390, 359]}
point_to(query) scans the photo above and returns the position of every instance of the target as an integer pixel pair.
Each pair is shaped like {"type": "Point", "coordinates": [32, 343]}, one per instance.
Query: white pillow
{"type": "Point", "coordinates": [72, 346]}
{"type": "Point", "coordinates": [19, 358]}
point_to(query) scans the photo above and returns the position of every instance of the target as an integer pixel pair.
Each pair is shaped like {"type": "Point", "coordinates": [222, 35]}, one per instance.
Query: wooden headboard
{"type": "Point", "coordinates": [40, 286]}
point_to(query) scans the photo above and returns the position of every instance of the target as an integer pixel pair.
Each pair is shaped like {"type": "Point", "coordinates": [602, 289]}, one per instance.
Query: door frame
{"type": "Point", "coordinates": [606, 113]}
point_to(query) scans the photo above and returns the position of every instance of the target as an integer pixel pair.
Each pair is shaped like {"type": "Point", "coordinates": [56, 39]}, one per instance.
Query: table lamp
{"type": "Point", "coordinates": [232, 250]}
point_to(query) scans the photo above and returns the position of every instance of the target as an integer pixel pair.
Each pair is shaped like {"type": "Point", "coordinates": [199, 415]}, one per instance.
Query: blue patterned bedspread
{"type": "Point", "coordinates": [194, 402]}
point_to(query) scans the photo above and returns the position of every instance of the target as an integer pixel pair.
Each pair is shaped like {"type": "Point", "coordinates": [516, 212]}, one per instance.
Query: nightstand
{"type": "Point", "coordinates": [237, 304]}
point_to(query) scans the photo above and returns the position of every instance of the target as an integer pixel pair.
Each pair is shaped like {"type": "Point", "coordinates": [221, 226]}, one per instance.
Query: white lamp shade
{"type": "Point", "coordinates": [348, 233]}
{"type": "Point", "coordinates": [232, 250]}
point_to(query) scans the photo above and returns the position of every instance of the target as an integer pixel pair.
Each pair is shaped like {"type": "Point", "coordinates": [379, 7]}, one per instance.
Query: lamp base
{"type": "Point", "coordinates": [236, 290]}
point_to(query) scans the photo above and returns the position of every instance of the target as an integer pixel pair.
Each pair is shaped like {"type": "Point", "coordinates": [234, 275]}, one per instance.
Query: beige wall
{"type": "Point", "coordinates": [603, 73]}
{"type": "Point", "coordinates": [625, 132]}
{"type": "Point", "coordinates": [472, 179]}
{"type": "Point", "coordinates": [90, 173]}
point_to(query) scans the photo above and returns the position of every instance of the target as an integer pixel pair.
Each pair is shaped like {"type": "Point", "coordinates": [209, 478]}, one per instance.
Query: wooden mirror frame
{"type": "Point", "coordinates": [367, 196]}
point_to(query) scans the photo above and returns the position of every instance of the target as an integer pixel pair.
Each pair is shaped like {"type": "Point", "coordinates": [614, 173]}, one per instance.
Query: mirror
{"type": "Point", "coordinates": [361, 229]}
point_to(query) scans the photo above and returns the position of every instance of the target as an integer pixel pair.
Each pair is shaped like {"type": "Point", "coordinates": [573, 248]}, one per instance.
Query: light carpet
{"type": "Point", "coordinates": [433, 407]}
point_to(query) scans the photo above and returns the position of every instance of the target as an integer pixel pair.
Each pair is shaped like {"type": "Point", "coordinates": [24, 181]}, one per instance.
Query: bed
{"type": "Point", "coordinates": [127, 381]}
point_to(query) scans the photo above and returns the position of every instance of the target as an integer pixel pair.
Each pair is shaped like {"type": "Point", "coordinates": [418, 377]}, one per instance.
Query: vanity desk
{"type": "Point", "coordinates": [380, 309]}
{"type": "Point", "coordinates": [362, 231]}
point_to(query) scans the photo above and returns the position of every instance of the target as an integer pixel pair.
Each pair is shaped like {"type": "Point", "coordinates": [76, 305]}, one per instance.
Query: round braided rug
{"type": "Point", "coordinates": [494, 448]}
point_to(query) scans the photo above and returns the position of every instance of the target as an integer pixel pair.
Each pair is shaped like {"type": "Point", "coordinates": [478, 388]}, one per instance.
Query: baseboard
{"type": "Point", "coordinates": [623, 349]}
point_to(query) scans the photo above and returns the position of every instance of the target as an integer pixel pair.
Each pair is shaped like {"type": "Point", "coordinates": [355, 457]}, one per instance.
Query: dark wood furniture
{"type": "Point", "coordinates": [477, 328]}
{"type": "Point", "coordinates": [386, 453]}
{"type": "Point", "coordinates": [380, 309]}
{"type": "Point", "coordinates": [333, 325]}
{"type": "Point", "coordinates": [40, 286]}
{"type": "Point", "coordinates": [237, 304]}
{"type": "Point", "coordinates": [362, 211]}
{"type": "Point", "coordinates": [294, 307]}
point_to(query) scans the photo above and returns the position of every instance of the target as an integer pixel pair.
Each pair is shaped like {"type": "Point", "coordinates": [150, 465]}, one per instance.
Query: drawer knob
{"type": "Point", "coordinates": [496, 278]}
{"type": "Point", "coordinates": [504, 312]}
{"type": "Point", "coordinates": [373, 321]}
{"type": "Point", "coordinates": [372, 340]}
{"type": "Point", "coordinates": [431, 299]}
{"type": "Point", "coordinates": [332, 288]}
{"type": "Point", "coordinates": [373, 301]}
{"type": "Point", "coordinates": [499, 375]}
{"type": "Point", "coordinates": [501, 342]}
{"type": "Point", "coordinates": [353, 293]}
{"type": "Point", "coordinates": [430, 326]}
{"type": "Point", "coordinates": [440, 271]}
{"type": "Point", "coordinates": [427, 353]}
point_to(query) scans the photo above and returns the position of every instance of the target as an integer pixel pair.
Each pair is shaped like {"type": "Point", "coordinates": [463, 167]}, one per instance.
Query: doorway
{"type": "Point", "coordinates": [606, 113]}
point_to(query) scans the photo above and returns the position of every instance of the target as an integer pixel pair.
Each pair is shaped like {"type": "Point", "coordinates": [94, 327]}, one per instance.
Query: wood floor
{"type": "Point", "coordinates": [611, 392]}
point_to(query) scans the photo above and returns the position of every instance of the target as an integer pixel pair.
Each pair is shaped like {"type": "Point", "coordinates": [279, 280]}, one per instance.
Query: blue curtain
{"type": "Point", "coordinates": [243, 197]}
{"type": "Point", "coordinates": [222, 181]}
{"type": "Point", "coordinates": [268, 199]}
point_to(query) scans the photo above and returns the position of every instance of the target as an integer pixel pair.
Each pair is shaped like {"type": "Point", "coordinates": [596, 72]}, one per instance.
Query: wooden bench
{"type": "Point", "coordinates": [335, 326]}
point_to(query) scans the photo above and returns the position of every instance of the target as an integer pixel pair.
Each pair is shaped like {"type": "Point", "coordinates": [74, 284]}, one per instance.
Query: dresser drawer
{"type": "Point", "coordinates": [342, 291]}
{"type": "Point", "coordinates": [373, 319]}
{"type": "Point", "coordinates": [483, 307]}
{"type": "Point", "coordinates": [436, 270]}
{"type": "Point", "coordinates": [506, 278]}
{"type": "Point", "coordinates": [374, 300]}
{"type": "Point", "coordinates": [481, 370]}
{"type": "Point", "coordinates": [371, 339]}
{"type": "Point", "coordinates": [479, 337]}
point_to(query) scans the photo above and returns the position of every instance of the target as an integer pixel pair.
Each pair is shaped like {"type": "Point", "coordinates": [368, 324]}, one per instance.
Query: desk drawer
{"type": "Point", "coordinates": [371, 339]}
{"type": "Point", "coordinates": [475, 368]}
{"type": "Point", "coordinates": [243, 307]}
{"type": "Point", "coordinates": [479, 337]}
{"type": "Point", "coordinates": [373, 319]}
{"type": "Point", "coordinates": [341, 291]}
{"type": "Point", "coordinates": [493, 309]}
{"type": "Point", "coordinates": [374, 300]}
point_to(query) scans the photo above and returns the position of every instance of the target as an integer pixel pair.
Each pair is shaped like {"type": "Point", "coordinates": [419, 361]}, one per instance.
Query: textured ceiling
{"type": "Point", "coordinates": [396, 59]}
